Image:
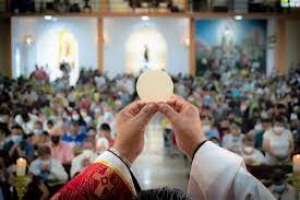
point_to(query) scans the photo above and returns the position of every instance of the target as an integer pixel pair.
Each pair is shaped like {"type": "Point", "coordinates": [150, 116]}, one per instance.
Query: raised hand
{"type": "Point", "coordinates": [130, 126]}
{"type": "Point", "coordinates": [186, 123]}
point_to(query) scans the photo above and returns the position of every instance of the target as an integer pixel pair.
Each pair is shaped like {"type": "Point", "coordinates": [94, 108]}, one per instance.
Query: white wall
{"type": "Point", "coordinates": [117, 30]}
{"type": "Point", "coordinates": [45, 35]}
{"type": "Point", "coordinates": [292, 39]}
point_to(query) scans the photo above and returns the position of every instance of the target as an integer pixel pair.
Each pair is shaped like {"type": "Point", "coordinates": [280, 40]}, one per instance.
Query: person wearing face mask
{"type": "Point", "coordinates": [104, 138]}
{"type": "Point", "coordinates": [251, 155]}
{"type": "Point", "coordinates": [278, 143]}
{"type": "Point", "coordinates": [87, 157]}
{"type": "Point", "coordinates": [74, 136]}
{"type": "Point", "coordinates": [280, 188]}
{"type": "Point", "coordinates": [208, 129]}
{"type": "Point", "coordinates": [233, 141]}
{"type": "Point", "coordinates": [86, 117]}
{"type": "Point", "coordinates": [16, 146]}
{"type": "Point", "coordinates": [38, 132]}
{"type": "Point", "coordinates": [60, 150]}
{"type": "Point", "coordinates": [109, 118]}
{"type": "Point", "coordinates": [49, 125]}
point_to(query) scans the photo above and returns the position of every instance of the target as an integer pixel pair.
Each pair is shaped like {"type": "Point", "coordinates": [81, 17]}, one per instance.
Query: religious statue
{"type": "Point", "coordinates": [87, 7]}
{"type": "Point", "coordinates": [67, 48]}
{"type": "Point", "coordinates": [146, 57]}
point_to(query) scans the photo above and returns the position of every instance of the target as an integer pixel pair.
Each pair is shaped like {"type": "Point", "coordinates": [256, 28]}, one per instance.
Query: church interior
{"type": "Point", "coordinates": [67, 67]}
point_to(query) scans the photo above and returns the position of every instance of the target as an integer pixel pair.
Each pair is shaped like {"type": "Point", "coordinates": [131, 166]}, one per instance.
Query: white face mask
{"type": "Point", "coordinates": [75, 117]}
{"type": "Point", "coordinates": [258, 127]}
{"type": "Point", "coordinates": [87, 153]}
{"type": "Point", "coordinates": [243, 108]}
{"type": "Point", "coordinates": [248, 149]}
{"type": "Point", "coordinates": [206, 128]}
{"type": "Point", "coordinates": [278, 129]}
{"type": "Point", "coordinates": [97, 110]}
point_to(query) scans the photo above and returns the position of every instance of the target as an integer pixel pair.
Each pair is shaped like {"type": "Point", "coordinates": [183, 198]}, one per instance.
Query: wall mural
{"type": "Point", "coordinates": [227, 44]}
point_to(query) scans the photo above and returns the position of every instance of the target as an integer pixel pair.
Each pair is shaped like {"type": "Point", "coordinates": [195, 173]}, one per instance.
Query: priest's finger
{"type": "Point", "coordinates": [135, 107]}
{"type": "Point", "coordinates": [168, 111]}
{"type": "Point", "coordinates": [146, 113]}
{"type": "Point", "coordinates": [176, 102]}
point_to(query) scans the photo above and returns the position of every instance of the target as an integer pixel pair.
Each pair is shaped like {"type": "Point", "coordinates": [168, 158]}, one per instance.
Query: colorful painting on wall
{"type": "Point", "coordinates": [224, 44]}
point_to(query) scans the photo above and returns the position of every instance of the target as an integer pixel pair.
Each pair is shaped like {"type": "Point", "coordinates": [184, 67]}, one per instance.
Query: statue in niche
{"type": "Point", "coordinates": [67, 48]}
{"type": "Point", "coordinates": [67, 53]}
{"type": "Point", "coordinates": [146, 57]}
{"type": "Point", "coordinates": [87, 7]}
{"type": "Point", "coordinates": [74, 8]}
{"type": "Point", "coordinates": [61, 5]}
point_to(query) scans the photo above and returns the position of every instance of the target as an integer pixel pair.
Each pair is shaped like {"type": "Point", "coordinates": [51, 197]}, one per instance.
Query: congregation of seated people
{"type": "Point", "coordinates": [60, 128]}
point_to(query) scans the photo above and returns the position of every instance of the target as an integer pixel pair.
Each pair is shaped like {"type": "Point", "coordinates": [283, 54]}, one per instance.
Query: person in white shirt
{"type": "Point", "coordinates": [233, 140]}
{"type": "Point", "coordinates": [251, 155]}
{"type": "Point", "coordinates": [216, 173]}
{"type": "Point", "coordinates": [26, 121]}
{"type": "Point", "coordinates": [87, 157]}
{"type": "Point", "coordinates": [278, 143]}
{"type": "Point", "coordinates": [47, 169]}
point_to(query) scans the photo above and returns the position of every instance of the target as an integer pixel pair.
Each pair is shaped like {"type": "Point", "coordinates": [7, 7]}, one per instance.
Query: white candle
{"type": "Point", "coordinates": [296, 163]}
{"type": "Point", "coordinates": [21, 167]}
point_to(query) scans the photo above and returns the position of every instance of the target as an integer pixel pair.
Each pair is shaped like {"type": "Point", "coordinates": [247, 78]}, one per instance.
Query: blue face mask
{"type": "Point", "coordinates": [279, 188]}
{"type": "Point", "coordinates": [16, 138]}
{"type": "Point", "coordinates": [38, 132]}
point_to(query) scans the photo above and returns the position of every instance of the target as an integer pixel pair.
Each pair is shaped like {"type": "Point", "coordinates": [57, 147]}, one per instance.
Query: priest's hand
{"type": "Point", "coordinates": [130, 126]}
{"type": "Point", "coordinates": [186, 123]}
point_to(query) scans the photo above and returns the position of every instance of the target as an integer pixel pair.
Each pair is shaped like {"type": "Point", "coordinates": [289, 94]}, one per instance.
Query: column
{"type": "Point", "coordinates": [281, 47]}
{"type": "Point", "coordinates": [100, 45]}
{"type": "Point", "coordinates": [192, 52]}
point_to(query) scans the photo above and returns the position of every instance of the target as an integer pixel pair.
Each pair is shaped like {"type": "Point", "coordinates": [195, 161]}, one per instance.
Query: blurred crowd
{"type": "Point", "coordinates": [60, 129]}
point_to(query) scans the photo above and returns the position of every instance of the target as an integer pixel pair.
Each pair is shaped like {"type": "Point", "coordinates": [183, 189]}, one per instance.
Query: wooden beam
{"type": "Point", "coordinates": [281, 47]}
{"type": "Point", "coordinates": [105, 12]}
{"type": "Point", "coordinates": [100, 45]}
{"type": "Point", "coordinates": [192, 52]}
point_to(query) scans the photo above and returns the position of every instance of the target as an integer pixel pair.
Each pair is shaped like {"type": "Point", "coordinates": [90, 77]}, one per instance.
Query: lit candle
{"type": "Point", "coordinates": [296, 163]}
{"type": "Point", "coordinates": [21, 167]}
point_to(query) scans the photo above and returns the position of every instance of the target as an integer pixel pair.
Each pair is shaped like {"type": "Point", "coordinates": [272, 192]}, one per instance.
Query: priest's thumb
{"type": "Point", "coordinates": [146, 113]}
{"type": "Point", "coordinates": [168, 111]}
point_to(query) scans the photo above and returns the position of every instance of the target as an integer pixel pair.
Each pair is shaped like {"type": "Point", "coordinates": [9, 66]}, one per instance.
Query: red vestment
{"type": "Point", "coordinates": [98, 181]}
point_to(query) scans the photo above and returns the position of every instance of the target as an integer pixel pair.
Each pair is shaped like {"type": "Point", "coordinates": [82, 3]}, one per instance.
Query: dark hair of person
{"type": "Point", "coordinates": [266, 120]}
{"type": "Point", "coordinates": [279, 119]}
{"type": "Point", "coordinates": [50, 122]}
{"type": "Point", "coordinates": [105, 127]}
{"type": "Point", "coordinates": [164, 193]}
{"type": "Point", "coordinates": [17, 127]}
{"type": "Point", "coordinates": [4, 110]}
{"type": "Point", "coordinates": [75, 123]}
{"type": "Point", "coordinates": [248, 138]}
{"type": "Point", "coordinates": [278, 175]}
{"type": "Point", "coordinates": [43, 150]}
